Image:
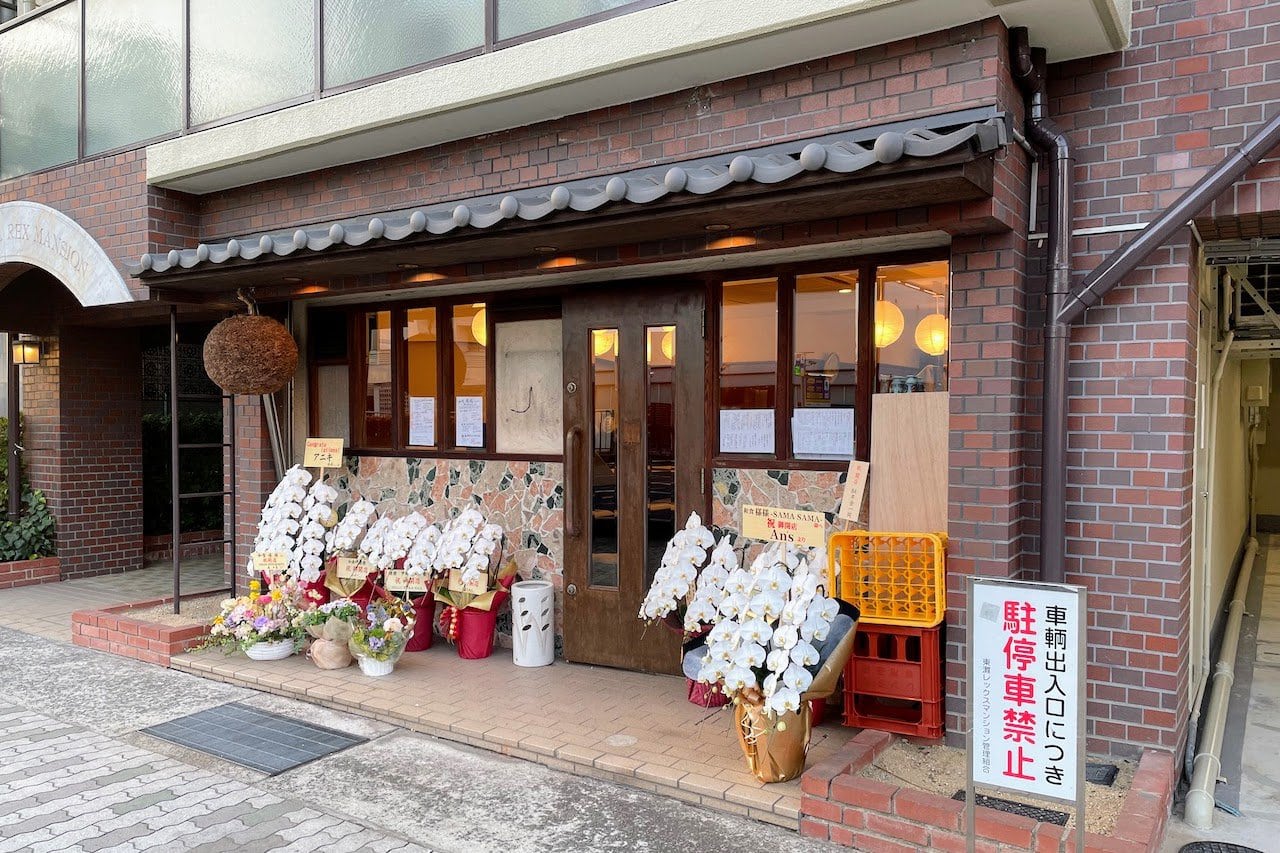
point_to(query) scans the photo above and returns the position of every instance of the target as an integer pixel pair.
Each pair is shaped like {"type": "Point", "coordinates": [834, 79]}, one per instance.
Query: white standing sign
{"type": "Point", "coordinates": [1027, 689]}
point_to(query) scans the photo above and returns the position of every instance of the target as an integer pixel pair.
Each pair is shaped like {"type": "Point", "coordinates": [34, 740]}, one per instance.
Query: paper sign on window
{"type": "Point", "coordinates": [422, 421]}
{"type": "Point", "coordinates": [822, 432]}
{"type": "Point", "coordinates": [469, 430]}
{"type": "Point", "coordinates": [746, 431]}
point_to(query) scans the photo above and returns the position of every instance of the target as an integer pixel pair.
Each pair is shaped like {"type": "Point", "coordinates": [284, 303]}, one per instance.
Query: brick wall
{"type": "Point", "coordinates": [255, 478]}
{"type": "Point", "coordinates": [83, 407]}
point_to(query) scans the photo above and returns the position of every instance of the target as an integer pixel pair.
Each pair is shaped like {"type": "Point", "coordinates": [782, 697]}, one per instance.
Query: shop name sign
{"type": "Point", "coordinates": [323, 453]}
{"type": "Point", "coordinates": [1027, 689]}
{"type": "Point", "coordinates": [43, 237]}
{"type": "Point", "coordinates": [793, 526]}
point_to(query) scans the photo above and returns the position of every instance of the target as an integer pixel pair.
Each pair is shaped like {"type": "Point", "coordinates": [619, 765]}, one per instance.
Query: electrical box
{"type": "Point", "coordinates": [1255, 381]}
{"type": "Point", "coordinates": [1256, 395]}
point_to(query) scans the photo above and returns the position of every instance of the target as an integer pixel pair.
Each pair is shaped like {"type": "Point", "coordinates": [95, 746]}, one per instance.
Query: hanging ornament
{"type": "Point", "coordinates": [889, 323]}
{"type": "Point", "coordinates": [931, 334]}
{"type": "Point", "coordinates": [250, 354]}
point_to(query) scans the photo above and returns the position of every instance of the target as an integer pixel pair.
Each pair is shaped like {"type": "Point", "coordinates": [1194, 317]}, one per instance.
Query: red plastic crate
{"type": "Point", "coordinates": [893, 681]}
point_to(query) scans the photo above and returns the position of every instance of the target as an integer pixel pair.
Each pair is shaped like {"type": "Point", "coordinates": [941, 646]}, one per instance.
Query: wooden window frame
{"type": "Point", "coordinates": [783, 457]}
{"type": "Point", "coordinates": [445, 409]}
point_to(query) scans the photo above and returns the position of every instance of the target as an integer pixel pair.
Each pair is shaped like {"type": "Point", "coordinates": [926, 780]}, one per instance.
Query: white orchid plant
{"type": "Point", "coordinates": [684, 557]}
{"type": "Point", "coordinates": [762, 648]}
{"type": "Point", "coordinates": [283, 518]}
{"type": "Point", "coordinates": [469, 545]}
{"type": "Point", "coordinates": [346, 534]}
{"type": "Point", "coordinates": [390, 540]}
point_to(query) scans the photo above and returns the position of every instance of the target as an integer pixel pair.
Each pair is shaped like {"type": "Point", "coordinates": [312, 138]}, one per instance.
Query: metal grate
{"type": "Point", "coordinates": [1216, 847]}
{"type": "Point", "coordinates": [259, 740]}
{"type": "Point", "coordinates": [1010, 807]}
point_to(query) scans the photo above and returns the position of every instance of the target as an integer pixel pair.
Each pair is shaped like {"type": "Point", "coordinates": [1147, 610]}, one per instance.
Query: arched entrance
{"type": "Point", "coordinates": [36, 235]}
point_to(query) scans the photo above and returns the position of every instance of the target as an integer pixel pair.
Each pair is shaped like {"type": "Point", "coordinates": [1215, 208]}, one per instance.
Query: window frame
{"type": "Point", "coordinates": [783, 457]}
{"type": "Point", "coordinates": [445, 401]}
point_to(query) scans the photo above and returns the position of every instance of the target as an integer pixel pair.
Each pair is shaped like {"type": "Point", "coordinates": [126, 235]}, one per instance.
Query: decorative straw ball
{"type": "Point", "coordinates": [250, 354]}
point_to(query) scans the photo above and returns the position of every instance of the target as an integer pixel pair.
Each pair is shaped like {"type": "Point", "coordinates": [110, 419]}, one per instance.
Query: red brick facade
{"type": "Point", "coordinates": [1144, 124]}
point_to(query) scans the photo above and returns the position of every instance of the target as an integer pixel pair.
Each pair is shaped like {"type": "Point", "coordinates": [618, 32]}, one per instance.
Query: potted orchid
{"type": "Point", "coordinates": [294, 523]}
{"type": "Point", "coordinates": [330, 626]}
{"type": "Point", "coordinates": [380, 637]}
{"type": "Point", "coordinates": [471, 581]}
{"type": "Point", "coordinates": [763, 649]}
{"type": "Point", "coordinates": [387, 546]}
{"type": "Point", "coordinates": [262, 625]}
{"type": "Point", "coordinates": [341, 541]}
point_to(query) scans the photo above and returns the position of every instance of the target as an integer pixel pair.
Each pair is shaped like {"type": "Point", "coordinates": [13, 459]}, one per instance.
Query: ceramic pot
{"type": "Point", "coordinates": [270, 650]}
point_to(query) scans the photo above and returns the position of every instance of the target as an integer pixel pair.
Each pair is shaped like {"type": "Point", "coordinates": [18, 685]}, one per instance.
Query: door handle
{"type": "Point", "coordinates": [571, 481]}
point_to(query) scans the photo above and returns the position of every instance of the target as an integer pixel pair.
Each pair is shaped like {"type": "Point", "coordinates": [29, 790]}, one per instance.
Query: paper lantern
{"type": "Point", "coordinates": [668, 344]}
{"type": "Point", "coordinates": [604, 342]}
{"type": "Point", "coordinates": [889, 323]}
{"type": "Point", "coordinates": [931, 334]}
{"type": "Point", "coordinates": [250, 354]}
{"type": "Point", "coordinates": [480, 327]}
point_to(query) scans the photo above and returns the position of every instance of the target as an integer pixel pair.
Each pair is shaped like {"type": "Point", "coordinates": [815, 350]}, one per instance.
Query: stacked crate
{"type": "Point", "coordinates": [894, 678]}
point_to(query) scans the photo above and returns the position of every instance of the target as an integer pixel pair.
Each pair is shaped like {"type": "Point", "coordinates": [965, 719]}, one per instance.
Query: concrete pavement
{"type": "Point", "coordinates": [76, 774]}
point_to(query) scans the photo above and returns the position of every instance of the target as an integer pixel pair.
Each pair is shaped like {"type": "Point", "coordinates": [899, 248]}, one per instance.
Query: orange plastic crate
{"type": "Point", "coordinates": [893, 578]}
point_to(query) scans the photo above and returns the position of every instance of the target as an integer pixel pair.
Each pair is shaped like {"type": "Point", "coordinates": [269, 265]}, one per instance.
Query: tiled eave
{"type": "Point", "coordinates": [841, 154]}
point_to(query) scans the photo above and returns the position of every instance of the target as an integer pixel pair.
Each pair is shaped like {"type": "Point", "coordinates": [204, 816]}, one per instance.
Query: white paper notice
{"type": "Point", "coordinates": [822, 432]}
{"type": "Point", "coordinates": [469, 430]}
{"type": "Point", "coordinates": [746, 430]}
{"type": "Point", "coordinates": [422, 421]}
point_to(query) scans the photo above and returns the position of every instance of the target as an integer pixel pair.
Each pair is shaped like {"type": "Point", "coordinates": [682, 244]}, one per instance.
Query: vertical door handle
{"type": "Point", "coordinates": [571, 481]}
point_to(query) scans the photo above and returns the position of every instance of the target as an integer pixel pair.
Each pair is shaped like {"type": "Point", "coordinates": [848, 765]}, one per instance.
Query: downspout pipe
{"type": "Point", "coordinates": [1123, 260]}
{"type": "Point", "coordinates": [1029, 73]}
{"type": "Point", "coordinates": [1208, 764]}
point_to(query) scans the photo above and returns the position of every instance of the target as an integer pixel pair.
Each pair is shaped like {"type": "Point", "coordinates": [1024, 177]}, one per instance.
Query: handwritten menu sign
{"type": "Point", "coordinates": [271, 563]}
{"type": "Point", "coordinates": [398, 580]}
{"type": "Point", "coordinates": [746, 430]}
{"type": "Point", "coordinates": [353, 568]}
{"type": "Point", "coordinates": [855, 489]}
{"type": "Point", "coordinates": [793, 526]}
{"type": "Point", "coordinates": [422, 421]}
{"type": "Point", "coordinates": [323, 453]}
{"type": "Point", "coordinates": [822, 432]}
{"type": "Point", "coordinates": [469, 428]}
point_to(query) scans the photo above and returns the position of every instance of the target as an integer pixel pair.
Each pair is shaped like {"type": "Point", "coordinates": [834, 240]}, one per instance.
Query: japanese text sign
{"type": "Point", "coordinates": [793, 526]}
{"type": "Point", "coordinates": [270, 563]}
{"type": "Point", "coordinates": [398, 580]}
{"type": "Point", "coordinates": [1026, 686]}
{"type": "Point", "coordinates": [323, 453]}
{"type": "Point", "coordinates": [353, 568]}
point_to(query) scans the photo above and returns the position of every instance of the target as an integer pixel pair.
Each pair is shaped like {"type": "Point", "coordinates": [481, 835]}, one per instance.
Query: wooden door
{"type": "Point", "coordinates": [634, 373]}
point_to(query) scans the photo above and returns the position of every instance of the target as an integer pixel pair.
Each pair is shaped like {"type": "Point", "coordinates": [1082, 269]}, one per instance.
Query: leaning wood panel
{"type": "Point", "coordinates": [909, 464]}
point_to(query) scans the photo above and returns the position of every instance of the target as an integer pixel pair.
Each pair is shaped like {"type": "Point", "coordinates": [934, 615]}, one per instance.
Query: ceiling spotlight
{"type": "Point", "coordinates": [717, 226]}
{"type": "Point", "coordinates": [291, 279]}
{"type": "Point", "coordinates": [408, 266]}
{"type": "Point", "coordinates": [545, 250]}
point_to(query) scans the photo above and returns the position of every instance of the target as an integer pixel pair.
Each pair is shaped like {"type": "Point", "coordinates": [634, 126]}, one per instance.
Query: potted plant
{"type": "Point", "coordinates": [330, 626]}
{"type": "Point", "coordinates": [342, 541]}
{"type": "Point", "coordinates": [388, 545]}
{"type": "Point", "coordinates": [380, 637]}
{"type": "Point", "coordinates": [262, 625]}
{"type": "Point", "coordinates": [419, 562]}
{"type": "Point", "coordinates": [471, 582]}
{"type": "Point", "coordinates": [294, 522]}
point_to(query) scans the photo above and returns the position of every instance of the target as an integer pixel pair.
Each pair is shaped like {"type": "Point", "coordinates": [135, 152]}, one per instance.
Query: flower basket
{"type": "Point", "coordinates": [315, 591]}
{"type": "Point", "coordinates": [775, 749]}
{"type": "Point", "coordinates": [424, 611]}
{"type": "Point", "coordinates": [375, 668]}
{"type": "Point", "coordinates": [270, 650]}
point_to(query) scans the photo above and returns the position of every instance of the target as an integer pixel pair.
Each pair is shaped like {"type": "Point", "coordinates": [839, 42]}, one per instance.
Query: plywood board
{"type": "Point", "coordinates": [910, 435]}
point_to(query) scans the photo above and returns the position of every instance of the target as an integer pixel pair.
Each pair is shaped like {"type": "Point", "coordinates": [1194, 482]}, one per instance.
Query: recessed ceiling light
{"type": "Point", "coordinates": [291, 279]}
{"type": "Point", "coordinates": [846, 290]}
{"type": "Point", "coordinates": [545, 250]}
{"type": "Point", "coordinates": [717, 226]}
{"type": "Point", "coordinates": [408, 266]}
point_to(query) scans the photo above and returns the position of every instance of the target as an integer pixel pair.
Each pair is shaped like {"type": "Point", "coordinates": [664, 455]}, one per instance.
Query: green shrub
{"type": "Point", "coordinates": [31, 536]}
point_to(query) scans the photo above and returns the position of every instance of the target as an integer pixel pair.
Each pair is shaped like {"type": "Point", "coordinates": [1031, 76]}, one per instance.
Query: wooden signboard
{"type": "Point", "coordinates": [855, 491]}
{"type": "Point", "coordinates": [271, 563]}
{"type": "Point", "coordinates": [793, 526]}
{"type": "Point", "coordinates": [353, 568]}
{"type": "Point", "coordinates": [398, 580]}
{"type": "Point", "coordinates": [323, 453]}
{"type": "Point", "coordinates": [910, 435]}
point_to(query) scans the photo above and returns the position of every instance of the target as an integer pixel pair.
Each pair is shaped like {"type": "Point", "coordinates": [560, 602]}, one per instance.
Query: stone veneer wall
{"type": "Point", "coordinates": [817, 491]}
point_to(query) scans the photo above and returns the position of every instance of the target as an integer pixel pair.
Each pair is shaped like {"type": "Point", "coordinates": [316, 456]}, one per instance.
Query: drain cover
{"type": "Point", "coordinates": [1101, 773]}
{"type": "Point", "coordinates": [1216, 847]}
{"type": "Point", "coordinates": [256, 739]}
{"type": "Point", "coordinates": [1010, 807]}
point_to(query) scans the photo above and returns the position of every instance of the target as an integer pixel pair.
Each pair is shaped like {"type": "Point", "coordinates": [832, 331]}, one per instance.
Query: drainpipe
{"type": "Point", "coordinates": [1204, 777]}
{"type": "Point", "coordinates": [1029, 73]}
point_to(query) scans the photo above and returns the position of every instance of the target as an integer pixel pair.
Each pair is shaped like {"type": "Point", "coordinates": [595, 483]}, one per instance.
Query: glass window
{"type": "Point", "coordinates": [603, 468]}
{"type": "Point", "coordinates": [748, 365]}
{"type": "Point", "coordinates": [333, 398]}
{"type": "Point", "coordinates": [824, 368]}
{"type": "Point", "coordinates": [363, 39]}
{"type": "Point", "coordinates": [912, 327]}
{"type": "Point", "coordinates": [132, 71]}
{"type": "Point", "coordinates": [517, 17]}
{"type": "Point", "coordinates": [40, 92]}
{"type": "Point", "coordinates": [422, 354]}
{"type": "Point", "coordinates": [470, 374]}
{"type": "Point", "coordinates": [244, 56]}
{"type": "Point", "coordinates": [660, 445]}
{"type": "Point", "coordinates": [376, 345]}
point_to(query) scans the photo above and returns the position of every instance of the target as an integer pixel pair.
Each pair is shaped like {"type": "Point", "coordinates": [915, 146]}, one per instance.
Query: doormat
{"type": "Point", "coordinates": [1101, 773]}
{"type": "Point", "coordinates": [260, 740]}
{"type": "Point", "coordinates": [1010, 807]}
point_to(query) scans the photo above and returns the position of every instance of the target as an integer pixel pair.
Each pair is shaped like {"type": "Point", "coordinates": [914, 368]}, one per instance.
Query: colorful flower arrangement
{"type": "Point", "coordinates": [340, 611]}
{"type": "Point", "coordinates": [383, 632]}
{"type": "Point", "coordinates": [261, 618]}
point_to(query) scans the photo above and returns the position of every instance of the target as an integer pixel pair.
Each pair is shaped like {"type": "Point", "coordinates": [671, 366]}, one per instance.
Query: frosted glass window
{"type": "Point", "coordinates": [248, 54]}
{"type": "Point", "coordinates": [39, 92]}
{"type": "Point", "coordinates": [363, 39]}
{"type": "Point", "coordinates": [132, 71]}
{"type": "Point", "coordinates": [517, 17]}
